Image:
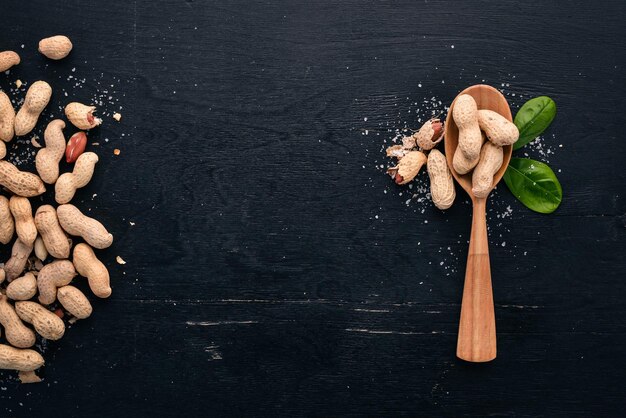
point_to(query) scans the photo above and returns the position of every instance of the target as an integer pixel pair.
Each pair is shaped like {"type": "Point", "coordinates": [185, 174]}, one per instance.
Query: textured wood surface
{"type": "Point", "coordinates": [273, 269]}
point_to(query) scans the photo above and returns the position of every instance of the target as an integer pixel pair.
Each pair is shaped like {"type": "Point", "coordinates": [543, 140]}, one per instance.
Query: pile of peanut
{"type": "Point", "coordinates": [30, 286]}
{"type": "Point", "coordinates": [482, 134]}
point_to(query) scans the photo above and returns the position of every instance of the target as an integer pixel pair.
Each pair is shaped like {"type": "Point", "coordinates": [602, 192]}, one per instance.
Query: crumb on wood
{"type": "Point", "coordinates": [120, 260]}
{"type": "Point", "coordinates": [117, 116]}
{"type": "Point", "coordinates": [116, 151]}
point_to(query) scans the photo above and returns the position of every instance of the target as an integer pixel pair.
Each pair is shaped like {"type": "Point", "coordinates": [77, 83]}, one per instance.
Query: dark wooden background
{"type": "Point", "coordinates": [272, 269]}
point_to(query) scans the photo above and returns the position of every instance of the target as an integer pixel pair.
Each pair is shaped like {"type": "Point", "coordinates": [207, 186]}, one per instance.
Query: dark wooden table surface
{"type": "Point", "coordinates": [272, 268]}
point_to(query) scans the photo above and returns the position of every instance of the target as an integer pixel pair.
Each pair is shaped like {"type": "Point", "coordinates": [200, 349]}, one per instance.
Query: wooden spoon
{"type": "Point", "coordinates": [477, 326]}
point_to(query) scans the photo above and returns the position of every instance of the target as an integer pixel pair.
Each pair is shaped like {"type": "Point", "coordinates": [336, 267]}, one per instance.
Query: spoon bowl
{"type": "Point", "coordinates": [477, 326]}
{"type": "Point", "coordinates": [486, 97]}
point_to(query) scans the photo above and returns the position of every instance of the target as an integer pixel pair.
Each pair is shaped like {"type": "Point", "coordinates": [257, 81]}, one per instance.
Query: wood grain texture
{"type": "Point", "coordinates": [477, 326]}
{"type": "Point", "coordinates": [259, 281]}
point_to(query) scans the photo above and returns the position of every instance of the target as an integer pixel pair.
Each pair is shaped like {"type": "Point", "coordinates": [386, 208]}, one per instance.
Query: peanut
{"type": "Point", "coordinates": [7, 226]}
{"type": "Point", "coordinates": [408, 167]}
{"type": "Point", "coordinates": [75, 146]}
{"type": "Point", "coordinates": [46, 323]}
{"type": "Point", "coordinates": [47, 159]}
{"type": "Point", "coordinates": [90, 267]}
{"type": "Point", "coordinates": [82, 116]}
{"type": "Point", "coordinates": [22, 288]}
{"type": "Point", "coordinates": [19, 256]}
{"type": "Point", "coordinates": [75, 223]}
{"type": "Point", "coordinates": [498, 129]}
{"type": "Point", "coordinates": [28, 377]}
{"type": "Point", "coordinates": [54, 239]}
{"type": "Point", "coordinates": [491, 157]}
{"type": "Point", "coordinates": [3, 275]}
{"type": "Point", "coordinates": [66, 185]}
{"type": "Point", "coordinates": [461, 164]}
{"type": "Point", "coordinates": [37, 98]}
{"type": "Point", "coordinates": [56, 274]}
{"type": "Point", "coordinates": [19, 359]}
{"type": "Point", "coordinates": [55, 47]}
{"type": "Point", "coordinates": [40, 247]}
{"type": "Point", "coordinates": [429, 135]}
{"type": "Point", "coordinates": [74, 301]}
{"type": "Point", "coordinates": [465, 115]}
{"type": "Point", "coordinates": [441, 184]}
{"type": "Point", "coordinates": [7, 118]}
{"type": "Point", "coordinates": [16, 333]}
{"type": "Point", "coordinates": [19, 182]}
{"type": "Point", "coordinates": [24, 223]}
{"type": "Point", "coordinates": [8, 59]}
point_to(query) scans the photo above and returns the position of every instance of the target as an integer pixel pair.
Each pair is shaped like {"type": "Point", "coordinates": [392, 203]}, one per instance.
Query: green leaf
{"type": "Point", "coordinates": [533, 118]}
{"type": "Point", "coordinates": [534, 184]}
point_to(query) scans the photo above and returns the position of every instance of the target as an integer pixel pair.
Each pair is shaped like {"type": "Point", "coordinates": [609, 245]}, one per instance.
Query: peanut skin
{"type": "Point", "coordinates": [24, 223]}
{"type": "Point", "coordinates": [75, 223]}
{"type": "Point", "coordinates": [74, 301]}
{"type": "Point", "coordinates": [22, 288]}
{"type": "Point", "coordinates": [19, 256]}
{"type": "Point", "coordinates": [491, 157]}
{"type": "Point", "coordinates": [441, 184]}
{"type": "Point", "coordinates": [90, 267]}
{"type": "Point", "coordinates": [46, 323]}
{"type": "Point", "coordinates": [465, 115]}
{"type": "Point", "coordinates": [429, 135]}
{"type": "Point", "coordinates": [66, 185]}
{"type": "Point", "coordinates": [7, 226]}
{"type": "Point", "coordinates": [55, 47]}
{"type": "Point", "coordinates": [19, 182]}
{"type": "Point", "coordinates": [54, 239]}
{"type": "Point", "coordinates": [408, 167]}
{"type": "Point", "coordinates": [37, 98]}
{"type": "Point", "coordinates": [498, 129]}
{"type": "Point", "coordinates": [82, 116]}
{"type": "Point", "coordinates": [16, 333]}
{"type": "Point", "coordinates": [8, 59]}
{"type": "Point", "coordinates": [48, 158]}
{"type": "Point", "coordinates": [75, 146]}
{"type": "Point", "coordinates": [19, 359]}
{"type": "Point", "coordinates": [7, 118]}
{"type": "Point", "coordinates": [56, 274]}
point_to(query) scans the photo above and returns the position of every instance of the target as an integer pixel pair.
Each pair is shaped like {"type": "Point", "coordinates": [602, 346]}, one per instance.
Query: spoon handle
{"type": "Point", "coordinates": [477, 327]}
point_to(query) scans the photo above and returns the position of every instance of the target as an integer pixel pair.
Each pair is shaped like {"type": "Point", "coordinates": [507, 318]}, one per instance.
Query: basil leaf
{"type": "Point", "coordinates": [533, 118]}
{"type": "Point", "coordinates": [534, 184]}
